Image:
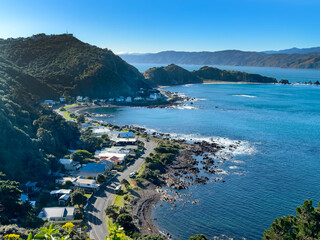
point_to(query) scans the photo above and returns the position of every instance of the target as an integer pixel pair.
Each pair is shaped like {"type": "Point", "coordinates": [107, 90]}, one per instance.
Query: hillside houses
{"type": "Point", "coordinates": [92, 170]}
{"type": "Point", "coordinates": [69, 164]}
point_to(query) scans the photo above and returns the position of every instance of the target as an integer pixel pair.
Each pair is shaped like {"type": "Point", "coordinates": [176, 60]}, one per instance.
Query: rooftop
{"type": "Point", "coordinates": [93, 167]}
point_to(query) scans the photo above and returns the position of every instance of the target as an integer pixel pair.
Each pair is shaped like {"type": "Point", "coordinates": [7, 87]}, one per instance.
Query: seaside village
{"type": "Point", "coordinates": [143, 96]}
{"type": "Point", "coordinates": [55, 202]}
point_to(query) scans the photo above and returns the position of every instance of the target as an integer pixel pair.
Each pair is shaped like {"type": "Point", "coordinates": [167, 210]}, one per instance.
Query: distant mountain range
{"type": "Point", "coordinates": [230, 58]}
{"type": "Point", "coordinates": [313, 50]}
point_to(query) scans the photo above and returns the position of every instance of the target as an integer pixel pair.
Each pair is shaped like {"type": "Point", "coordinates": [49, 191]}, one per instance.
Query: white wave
{"type": "Point", "coordinates": [182, 107]}
{"type": "Point", "coordinates": [233, 167]}
{"type": "Point", "coordinates": [220, 171]}
{"type": "Point", "coordinates": [247, 96]}
{"type": "Point", "coordinates": [237, 161]}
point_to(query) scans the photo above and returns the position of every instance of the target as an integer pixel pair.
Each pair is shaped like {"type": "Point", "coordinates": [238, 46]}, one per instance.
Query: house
{"type": "Point", "coordinates": [120, 99]}
{"type": "Point", "coordinates": [154, 96]}
{"type": "Point", "coordinates": [110, 99]}
{"type": "Point", "coordinates": [69, 164]}
{"type": "Point", "coordinates": [79, 98]}
{"type": "Point", "coordinates": [109, 164]}
{"type": "Point", "coordinates": [126, 135]}
{"type": "Point", "coordinates": [60, 192]}
{"type": "Point", "coordinates": [53, 214]}
{"type": "Point", "coordinates": [99, 131]}
{"type": "Point", "coordinates": [92, 170]}
{"type": "Point", "coordinates": [61, 99]}
{"type": "Point", "coordinates": [129, 99]}
{"type": "Point", "coordinates": [86, 184]}
{"type": "Point", "coordinates": [49, 102]}
{"type": "Point", "coordinates": [24, 198]}
{"type": "Point", "coordinates": [64, 199]}
{"type": "Point", "coordinates": [138, 99]}
{"type": "Point", "coordinates": [31, 187]}
{"type": "Point", "coordinates": [65, 179]}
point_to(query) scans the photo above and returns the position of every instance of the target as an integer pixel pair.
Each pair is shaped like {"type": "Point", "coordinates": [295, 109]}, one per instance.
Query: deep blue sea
{"type": "Point", "coordinates": [273, 173]}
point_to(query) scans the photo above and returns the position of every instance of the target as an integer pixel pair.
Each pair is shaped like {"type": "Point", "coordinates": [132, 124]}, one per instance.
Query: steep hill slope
{"type": "Point", "coordinates": [30, 135]}
{"type": "Point", "coordinates": [170, 75]}
{"type": "Point", "coordinates": [175, 75]}
{"type": "Point", "coordinates": [69, 66]}
{"type": "Point", "coordinates": [228, 58]}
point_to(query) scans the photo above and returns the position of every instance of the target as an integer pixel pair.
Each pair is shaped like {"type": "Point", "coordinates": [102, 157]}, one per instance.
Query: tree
{"type": "Point", "coordinates": [112, 211]}
{"type": "Point", "coordinates": [10, 203]}
{"type": "Point", "coordinates": [198, 237]}
{"type": "Point", "coordinates": [100, 179]}
{"type": "Point", "coordinates": [90, 142]}
{"type": "Point", "coordinates": [81, 118]}
{"type": "Point", "coordinates": [305, 225]}
{"type": "Point", "coordinates": [78, 198]}
{"type": "Point", "coordinates": [125, 182]}
{"type": "Point", "coordinates": [115, 233]}
{"type": "Point", "coordinates": [125, 220]}
{"type": "Point", "coordinates": [80, 155]}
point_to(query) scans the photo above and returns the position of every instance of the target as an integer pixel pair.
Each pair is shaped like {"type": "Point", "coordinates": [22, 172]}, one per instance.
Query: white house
{"type": "Point", "coordinates": [138, 99]}
{"type": "Point", "coordinates": [99, 131]}
{"type": "Point", "coordinates": [79, 98]}
{"type": "Point", "coordinates": [86, 184]}
{"type": "Point", "coordinates": [69, 164]}
{"type": "Point", "coordinates": [60, 192]}
{"type": "Point", "coordinates": [53, 214]}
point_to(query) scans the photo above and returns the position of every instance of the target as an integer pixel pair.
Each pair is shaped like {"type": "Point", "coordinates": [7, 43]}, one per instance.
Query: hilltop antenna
{"type": "Point", "coordinates": [66, 30]}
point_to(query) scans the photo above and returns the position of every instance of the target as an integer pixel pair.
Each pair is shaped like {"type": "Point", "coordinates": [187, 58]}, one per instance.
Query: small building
{"type": "Point", "coordinates": [60, 192]}
{"type": "Point", "coordinates": [86, 184]}
{"type": "Point", "coordinates": [49, 102]}
{"type": "Point", "coordinates": [92, 170]}
{"type": "Point", "coordinates": [126, 135]}
{"type": "Point", "coordinates": [99, 131]}
{"type": "Point", "coordinates": [138, 99]}
{"type": "Point", "coordinates": [69, 164]}
{"type": "Point", "coordinates": [53, 214]}
{"type": "Point", "coordinates": [129, 99]}
{"type": "Point", "coordinates": [120, 99]}
{"type": "Point", "coordinates": [64, 200]}
{"type": "Point", "coordinates": [61, 99]}
{"type": "Point", "coordinates": [110, 99]}
{"type": "Point", "coordinates": [79, 98]}
{"type": "Point", "coordinates": [109, 164]}
{"type": "Point", "coordinates": [65, 179]}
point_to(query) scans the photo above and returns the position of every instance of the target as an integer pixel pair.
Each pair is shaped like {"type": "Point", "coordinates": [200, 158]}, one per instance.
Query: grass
{"type": "Point", "coordinates": [71, 105]}
{"type": "Point", "coordinates": [66, 115]}
{"type": "Point", "coordinates": [143, 166]}
{"type": "Point", "coordinates": [118, 200]}
{"type": "Point", "coordinates": [88, 195]}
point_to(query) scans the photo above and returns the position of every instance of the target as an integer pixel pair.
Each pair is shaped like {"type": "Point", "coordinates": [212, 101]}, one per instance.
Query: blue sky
{"type": "Point", "coordinates": [158, 25]}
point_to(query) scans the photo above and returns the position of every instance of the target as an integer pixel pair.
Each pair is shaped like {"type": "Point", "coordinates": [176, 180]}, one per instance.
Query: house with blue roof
{"type": "Point", "coordinates": [92, 169]}
{"type": "Point", "coordinates": [126, 135]}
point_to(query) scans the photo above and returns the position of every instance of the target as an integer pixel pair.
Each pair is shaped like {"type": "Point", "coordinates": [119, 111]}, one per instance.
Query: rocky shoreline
{"type": "Point", "coordinates": [196, 162]}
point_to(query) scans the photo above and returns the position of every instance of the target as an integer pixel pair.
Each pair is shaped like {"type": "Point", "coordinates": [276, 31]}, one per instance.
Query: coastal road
{"type": "Point", "coordinates": [94, 213]}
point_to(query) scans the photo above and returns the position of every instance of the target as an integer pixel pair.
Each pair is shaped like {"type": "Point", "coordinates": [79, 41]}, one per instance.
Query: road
{"type": "Point", "coordinates": [94, 213]}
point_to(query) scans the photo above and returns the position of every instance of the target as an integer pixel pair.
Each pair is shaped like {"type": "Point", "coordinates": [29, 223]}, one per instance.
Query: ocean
{"type": "Point", "coordinates": [274, 171]}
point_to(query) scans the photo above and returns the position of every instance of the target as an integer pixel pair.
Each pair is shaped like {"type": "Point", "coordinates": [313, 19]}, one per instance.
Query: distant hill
{"type": "Point", "coordinates": [69, 66]}
{"type": "Point", "coordinates": [170, 75]}
{"type": "Point", "coordinates": [175, 75]}
{"type": "Point", "coordinates": [228, 58]}
{"type": "Point", "coordinates": [313, 51]}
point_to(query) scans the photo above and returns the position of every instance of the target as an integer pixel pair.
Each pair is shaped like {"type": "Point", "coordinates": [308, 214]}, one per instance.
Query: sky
{"type": "Point", "coordinates": [141, 26]}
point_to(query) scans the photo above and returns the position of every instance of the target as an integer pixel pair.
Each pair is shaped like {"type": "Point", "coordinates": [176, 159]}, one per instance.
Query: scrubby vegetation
{"type": "Point", "coordinates": [156, 163]}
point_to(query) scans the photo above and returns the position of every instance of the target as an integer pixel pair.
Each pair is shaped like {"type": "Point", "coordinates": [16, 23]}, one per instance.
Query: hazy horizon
{"type": "Point", "coordinates": [148, 27]}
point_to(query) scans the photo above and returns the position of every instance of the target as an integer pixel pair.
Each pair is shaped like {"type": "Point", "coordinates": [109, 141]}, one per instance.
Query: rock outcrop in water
{"type": "Point", "coordinates": [284, 81]}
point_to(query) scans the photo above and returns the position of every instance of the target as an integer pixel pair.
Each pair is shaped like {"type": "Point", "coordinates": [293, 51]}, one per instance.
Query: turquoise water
{"type": "Point", "coordinates": [282, 127]}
